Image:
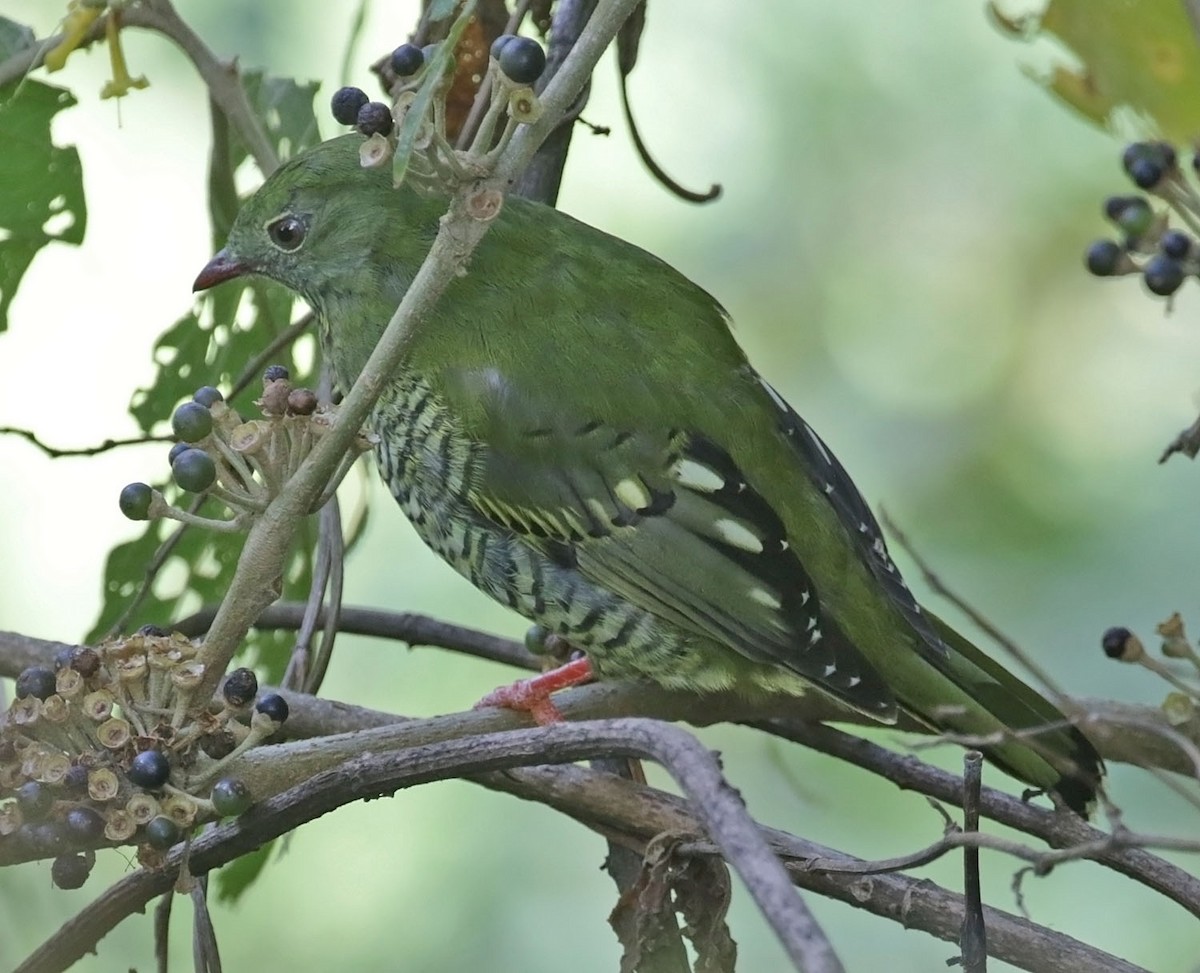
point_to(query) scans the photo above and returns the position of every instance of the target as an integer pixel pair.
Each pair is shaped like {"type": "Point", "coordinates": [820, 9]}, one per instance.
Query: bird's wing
{"type": "Point", "coordinates": [827, 474]}
{"type": "Point", "coordinates": [666, 520]}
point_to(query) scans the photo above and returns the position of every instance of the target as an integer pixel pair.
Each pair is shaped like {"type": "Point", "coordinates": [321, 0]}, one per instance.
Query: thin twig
{"type": "Point", "coordinates": [973, 940]}
{"type": "Point", "coordinates": [371, 775]}
{"type": "Point", "coordinates": [104, 447]}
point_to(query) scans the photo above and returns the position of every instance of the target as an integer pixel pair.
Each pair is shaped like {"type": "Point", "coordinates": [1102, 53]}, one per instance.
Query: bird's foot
{"type": "Point", "coordinates": [533, 695]}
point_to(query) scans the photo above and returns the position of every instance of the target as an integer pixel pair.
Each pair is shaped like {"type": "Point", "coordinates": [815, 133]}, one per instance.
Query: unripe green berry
{"type": "Point", "coordinates": [135, 501]}
{"type": "Point", "coordinates": [162, 832]}
{"type": "Point", "coordinates": [230, 797]}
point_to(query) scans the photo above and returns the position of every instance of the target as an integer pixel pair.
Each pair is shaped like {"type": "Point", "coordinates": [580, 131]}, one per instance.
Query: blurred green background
{"type": "Point", "coordinates": [899, 243]}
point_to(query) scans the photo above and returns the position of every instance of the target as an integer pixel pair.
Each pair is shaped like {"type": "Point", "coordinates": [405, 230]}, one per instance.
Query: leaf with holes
{"type": "Point", "coordinates": [41, 196]}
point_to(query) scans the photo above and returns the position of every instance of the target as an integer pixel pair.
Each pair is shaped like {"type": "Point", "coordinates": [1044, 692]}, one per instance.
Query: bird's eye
{"type": "Point", "coordinates": [287, 233]}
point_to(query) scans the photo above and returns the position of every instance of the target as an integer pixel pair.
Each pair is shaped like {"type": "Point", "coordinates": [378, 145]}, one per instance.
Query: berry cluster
{"type": "Point", "coordinates": [242, 463]}
{"type": "Point", "coordinates": [1180, 668]}
{"type": "Point", "coordinates": [515, 64]}
{"type": "Point", "coordinates": [111, 745]}
{"type": "Point", "coordinates": [1148, 246]}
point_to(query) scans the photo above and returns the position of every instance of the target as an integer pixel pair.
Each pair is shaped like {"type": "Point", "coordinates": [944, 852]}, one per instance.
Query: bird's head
{"type": "Point", "coordinates": [313, 225]}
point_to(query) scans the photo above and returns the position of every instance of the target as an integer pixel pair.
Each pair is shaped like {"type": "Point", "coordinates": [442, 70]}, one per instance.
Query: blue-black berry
{"type": "Point", "coordinates": [194, 470]}
{"type": "Point", "coordinates": [521, 59]}
{"type": "Point", "coordinates": [1146, 173]}
{"type": "Point", "coordinates": [407, 60]}
{"type": "Point", "coordinates": [150, 769]}
{"type": "Point", "coordinates": [75, 780]}
{"type": "Point", "coordinates": [275, 373]}
{"type": "Point", "coordinates": [34, 799]}
{"type": "Point", "coordinates": [375, 118]}
{"type": "Point", "coordinates": [135, 499]}
{"type": "Point", "coordinates": [346, 103]}
{"type": "Point", "coordinates": [207, 396]}
{"type": "Point", "coordinates": [1119, 643]}
{"type": "Point", "coordinates": [274, 706]}
{"type": "Point", "coordinates": [1102, 258]}
{"type": "Point", "coordinates": [1175, 244]}
{"type": "Point", "coordinates": [240, 688]}
{"type": "Point", "coordinates": [36, 681]}
{"type": "Point", "coordinates": [84, 823]}
{"type": "Point", "coordinates": [192, 422]}
{"type": "Point", "coordinates": [1162, 275]}
{"type": "Point", "coordinates": [162, 832]}
{"type": "Point", "coordinates": [176, 450]}
{"type": "Point", "coordinates": [71, 871]}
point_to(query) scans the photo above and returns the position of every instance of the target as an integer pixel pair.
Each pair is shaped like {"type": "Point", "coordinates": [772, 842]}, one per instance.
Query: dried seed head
{"type": "Point", "coordinates": [103, 784]}
{"type": "Point", "coordinates": [1178, 708]}
{"type": "Point", "coordinates": [98, 705]}
{"type": "Point", "coordinates": [132, 669]}
{"type": "Point", "coordinates": [180, 809]}
{"type": "Point", "coordinates": [251, 437]}
{"type": "Point", "coordinates": [524, 106]}
{"type": "Point", "coordinates": [275, 396]}
{"type": "Point", "coordinates": [119, 825]}
{"type": "Point", "coordinates": [25, 712]}
{"type": "Point", "coordinates": [55, 709]}
{"type": "Point", "coordinates": [188, 675]}
{"type": "Point", "coordinates": [114, 733]}
{"type": "Point", "coordinates": [142, 807]}
{"type": "Point", "coordinates": [54, 769]}
{"type": "Point", "coordinates": [68, 683]}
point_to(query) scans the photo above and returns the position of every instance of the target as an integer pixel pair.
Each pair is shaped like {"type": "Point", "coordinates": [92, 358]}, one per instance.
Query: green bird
{"type": "Point", "coordinates": [575, 430]}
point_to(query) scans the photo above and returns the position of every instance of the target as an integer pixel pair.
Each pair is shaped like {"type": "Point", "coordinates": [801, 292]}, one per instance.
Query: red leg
{"type": "Point", "coordinates": [533, 695]}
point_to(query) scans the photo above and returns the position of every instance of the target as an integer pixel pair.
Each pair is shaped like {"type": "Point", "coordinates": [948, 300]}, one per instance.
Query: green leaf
{"type": "Point", "coordinates": [414, 118]}
{"type": "Point", "coordinates": [440, 9]}
{"type": "Point", "coordinates": [236, 877]}
{"type": "Point", "coordinates": [41, 195]}
{"type": "Point", "coordinates": [1133, 59]}
{"type": "Point", "coordinates": [285, 108]}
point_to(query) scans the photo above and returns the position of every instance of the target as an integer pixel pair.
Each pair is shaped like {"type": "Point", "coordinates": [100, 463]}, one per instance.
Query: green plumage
{"type": "Point", "coordinates": [575, 429]}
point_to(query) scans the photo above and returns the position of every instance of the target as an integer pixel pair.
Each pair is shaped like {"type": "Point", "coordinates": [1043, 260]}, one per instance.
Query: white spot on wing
{"type": "Point", "coordinates": [697, 476]}
{"type": "Point", "coordinates": [830, 670]}
{"type": "Point", "coordinates": [816, 441]}
{"type": "Point", "coordinates": [739, 535]}
{"type": "Point", "coordinates": [632, 494]}
{"type": "Point", "coordinates": [764, 597]}
{"type": "Point", "coordinates": [775, 396]}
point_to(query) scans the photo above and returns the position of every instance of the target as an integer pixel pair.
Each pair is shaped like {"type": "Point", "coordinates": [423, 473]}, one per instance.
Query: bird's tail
{"type": "Point", "coordinates": [1037, 743]}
